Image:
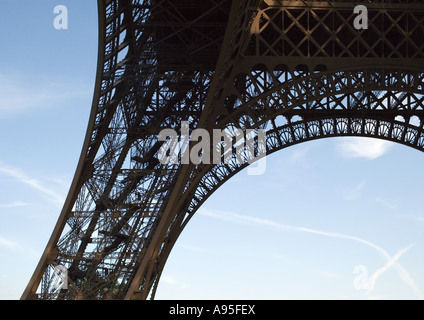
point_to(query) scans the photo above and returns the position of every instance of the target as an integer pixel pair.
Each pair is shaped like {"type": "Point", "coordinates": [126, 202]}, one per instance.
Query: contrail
{"type": "Point", "coordinates": [391, 261]}
{"type": "Point", "coordinates": [17, 174]}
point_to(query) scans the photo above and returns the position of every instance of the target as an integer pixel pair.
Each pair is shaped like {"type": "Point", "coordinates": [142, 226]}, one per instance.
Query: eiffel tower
{"type": "Point", "coordinates": [300, 70]}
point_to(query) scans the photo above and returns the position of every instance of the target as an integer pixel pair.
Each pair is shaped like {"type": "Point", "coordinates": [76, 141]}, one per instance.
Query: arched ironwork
{"type": "Point", "coordinates": [297, 69]}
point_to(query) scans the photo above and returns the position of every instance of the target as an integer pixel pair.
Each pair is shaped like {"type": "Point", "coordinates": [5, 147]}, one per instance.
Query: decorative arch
{"type": "Point", "coordinates": [299, 80]}
{"type": "Point", "coordinates": [268, 94]}
{"type": "Point", "coordinates": [403, 125]}
{"type": "Point", "coordinates": [297, 105]}
{"type": "Point", "coordinates": [301, 86]}
{"type": "Point", "coordinates": [385, 103]}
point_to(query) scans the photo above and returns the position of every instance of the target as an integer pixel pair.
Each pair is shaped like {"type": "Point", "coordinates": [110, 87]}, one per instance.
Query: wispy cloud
{"type": "Point", "coordinates": [8, 243]}
{"type": "Point", "coordinates": [21, 93]}
{"type": "Point", "coordinates": [391, 261]}
{"type": "Point", "coordinates": [300, 158]}
{"type": "Point", "coordinates": [15, 204]}
{"type": "Point", "coordinates": [367, 148]}
{"type": "Point", "coordinates": [23, 250]}
{"type": "Point", "coordinates": [19, 175]}
{"type": "Point", "coordinates": [387, 203]}
{"type": "Point", "coordinates": [355, 193]}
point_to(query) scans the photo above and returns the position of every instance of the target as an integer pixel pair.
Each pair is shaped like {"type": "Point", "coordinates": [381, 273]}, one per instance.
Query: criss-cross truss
{"type": "Point", "coordinates": [297, 69]}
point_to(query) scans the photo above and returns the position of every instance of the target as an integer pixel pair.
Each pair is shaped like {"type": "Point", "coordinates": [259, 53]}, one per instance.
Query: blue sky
{"type": "Point", "coordinates": [321, 211]}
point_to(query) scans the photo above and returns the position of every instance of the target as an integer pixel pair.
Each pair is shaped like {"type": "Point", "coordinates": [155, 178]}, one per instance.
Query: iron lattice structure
{"type": "Point", "coordinates": [298, 69]}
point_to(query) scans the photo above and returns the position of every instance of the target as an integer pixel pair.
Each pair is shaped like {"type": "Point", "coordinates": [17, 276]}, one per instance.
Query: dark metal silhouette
{"type": "Point", "coordinates": [298, 69]}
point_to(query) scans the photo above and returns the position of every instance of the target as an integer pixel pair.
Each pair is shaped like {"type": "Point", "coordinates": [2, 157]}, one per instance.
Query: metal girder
{"type": "Point", "coordinates": [298, 69]}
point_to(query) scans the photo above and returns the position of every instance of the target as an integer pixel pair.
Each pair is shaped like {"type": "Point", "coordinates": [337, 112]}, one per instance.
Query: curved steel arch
{"type": "Point", "coordinates": [372, 113]}
{"type": "Point", "coordinates": [395, 121]}
{"type": "Point", "coordinates": [218, 64]}
{"type": "Point", "coordinates": [311, 92]}
{"type": "Point", "coordinates": [307, 130]}
{"type": "Point", "coordinates": [391, 110]}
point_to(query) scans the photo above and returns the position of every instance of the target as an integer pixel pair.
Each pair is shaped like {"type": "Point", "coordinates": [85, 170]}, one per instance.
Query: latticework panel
{"type": "Point", "coordinates": [297, 69]}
